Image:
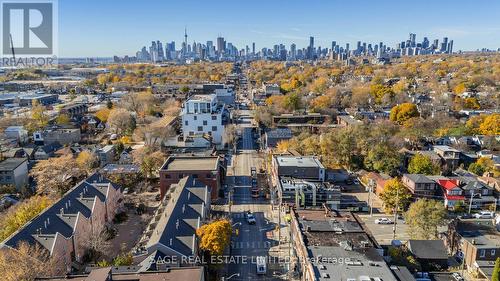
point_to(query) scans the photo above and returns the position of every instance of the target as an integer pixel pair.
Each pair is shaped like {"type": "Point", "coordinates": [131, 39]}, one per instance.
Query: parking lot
{"type": "Point", "coordinates": [383, 233]}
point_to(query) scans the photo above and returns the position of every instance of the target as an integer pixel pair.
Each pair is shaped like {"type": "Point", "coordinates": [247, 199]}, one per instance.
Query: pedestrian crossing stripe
{"type": "Point", "coordinates": [253, 245]}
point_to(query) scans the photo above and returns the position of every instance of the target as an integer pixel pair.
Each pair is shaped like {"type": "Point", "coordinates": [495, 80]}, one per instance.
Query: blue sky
{"type": "Point", "coordinates": [120, 27]}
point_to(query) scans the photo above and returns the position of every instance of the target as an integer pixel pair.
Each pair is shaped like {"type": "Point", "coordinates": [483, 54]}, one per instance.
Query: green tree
{"type": "Point", "coordinates": [422, 164]}
{"type": "Point", "coordinates": [383, 158]}
{"type": "Point", "coordinates": [424, 217]}
{"type": "Point", "coordinates": [292, 101]}
{"type": "Point", "coordinates": [476, 169]}
{"type": "Point", "coordinates": [63, 119]}
{"type": "Point", "coordinates": [395, 194]}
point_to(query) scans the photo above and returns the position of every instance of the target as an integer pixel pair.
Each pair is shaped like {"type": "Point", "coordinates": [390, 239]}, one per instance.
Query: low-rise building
{"type": "Point", "coordinates": [452, 193]}
{"type": "Point", "coordinates": [14, 172]}
{"type": "Point", "coordinates": [450, 156]}
{"type": "Point", "coordinates": [334, 246]}
{"type": "Point", "coordinates": [65, 228]}
{"type": "Point", "coordinates": [419, 185]}
{"type": "Point", "coordinates": [431, 254]}
{"type": "Point", "coordinates": [171, 236]}
{"type": "Point", "coordinates": [273, 136]}
{"type": "Point", "coordinates": [17, 133]}
{"type": "Point", "coordinates": [58, 135]}
{"type": "Point", "coordinates": [477, 241]}
{"type": "Point", "coordinates": [106, 155]}
{"type": "Point", "coordinates": [299, 167]}
{"type": "Point", "coordinates": [207, 169]}
{"type": "Point", "coordinates": [308, 193]}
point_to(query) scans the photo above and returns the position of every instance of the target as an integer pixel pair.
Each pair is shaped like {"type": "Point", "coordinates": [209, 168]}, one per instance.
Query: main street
{"type": "Point", "coordinates": [254, 240]}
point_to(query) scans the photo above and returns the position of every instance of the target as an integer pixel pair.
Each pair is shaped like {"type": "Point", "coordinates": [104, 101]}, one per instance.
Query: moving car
{"type": "Point", "coordinates": [250, 218]}
{"type": "Point", "coordinates": [383, 221]}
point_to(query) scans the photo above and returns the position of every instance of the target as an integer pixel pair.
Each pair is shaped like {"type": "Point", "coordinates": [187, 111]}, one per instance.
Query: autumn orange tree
{"type": "Point", "coordinates": [215, 237]}
{"type": "Point", "coordinates": [403, 112]}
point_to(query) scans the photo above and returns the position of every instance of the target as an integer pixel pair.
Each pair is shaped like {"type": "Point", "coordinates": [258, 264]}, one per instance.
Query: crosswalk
{"type": "Point", "coordinates": [254, 244]}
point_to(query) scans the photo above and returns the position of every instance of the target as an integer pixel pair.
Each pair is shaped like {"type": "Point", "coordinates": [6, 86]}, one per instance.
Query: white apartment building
{"type": "Point", "coordinates": [202, 115]}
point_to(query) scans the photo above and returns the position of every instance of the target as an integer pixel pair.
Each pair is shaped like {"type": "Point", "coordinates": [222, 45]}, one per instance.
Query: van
{"type": "Point", "coordinates": [261, 265]}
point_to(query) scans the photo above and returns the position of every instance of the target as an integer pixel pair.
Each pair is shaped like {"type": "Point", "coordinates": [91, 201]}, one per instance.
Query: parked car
{"type": "Point", "coordinates": [484, 215]}
{"type": "Point", "coordinates": [383, 221]}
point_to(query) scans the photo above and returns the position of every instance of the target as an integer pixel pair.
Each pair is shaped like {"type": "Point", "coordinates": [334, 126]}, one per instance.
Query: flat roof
{"type": "Point", "coordinates": [11, 163]}
{"type": "Point", "coordinates": [298, 161]}
{"type": "Point", "coordinates": [194, 163]}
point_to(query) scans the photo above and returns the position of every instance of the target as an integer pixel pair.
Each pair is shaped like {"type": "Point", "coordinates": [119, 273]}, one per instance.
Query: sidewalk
{"type": "Point", "coordinates": [283, 253]}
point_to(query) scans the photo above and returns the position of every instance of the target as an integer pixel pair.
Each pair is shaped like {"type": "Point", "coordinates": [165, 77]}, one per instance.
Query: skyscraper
{"type": "Point", "coordinates": [413, 38]}
{"type": "Point", "coordinates": [253, 48]}
{"type": "Point", "coordinates": [310, 49]}
{"type": "Point", "coordinates": [221, 45]}
{"type": "Point", "coordinates": [185, 41]}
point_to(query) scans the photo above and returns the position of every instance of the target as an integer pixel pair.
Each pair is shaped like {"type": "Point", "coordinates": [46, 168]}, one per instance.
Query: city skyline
{"type": "Point", "coordinates": [472, 25]}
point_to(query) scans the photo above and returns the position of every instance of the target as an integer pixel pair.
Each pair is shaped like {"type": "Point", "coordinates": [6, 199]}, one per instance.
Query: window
{"type": "Point", "coordinates": [195, 117]}
{"type": "Point", "coordinates": [200, 128]}
{"type": "Point", "coordinates": [191, 133]}
{"type": "Point", "coordinates": [167, 176]}
{"type": "Point", "coordinates": [186, 123]}
{"type": "Point", "coordinates": [492, 252]}
{"type": "Point", "coordinates": [208, 176]}
{"type": "Point", "coordinates": [205, 122]}
{"type": "Point", "coordinates": [214, 117]}
{"type": "Point", "coordinates": [181, 176]}
{"type": "Point", "coordinates": [482, 253]}
{"type": "Point", "coordinates": [195, 176]}
{"type": "Point", "coordinates": [214, 128]}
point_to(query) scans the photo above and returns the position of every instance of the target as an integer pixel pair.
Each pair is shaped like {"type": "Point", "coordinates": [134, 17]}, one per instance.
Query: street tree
{"type": "Point", "coordinates": [395, 194]}
{"type": "Point", "coordinates": [424, 217]}
{"type": "Point", "coordinates": [215, 236]}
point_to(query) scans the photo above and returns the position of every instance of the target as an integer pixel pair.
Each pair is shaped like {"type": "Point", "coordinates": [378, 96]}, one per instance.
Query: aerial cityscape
{"type": "Point", "coordinates": [216, 141]}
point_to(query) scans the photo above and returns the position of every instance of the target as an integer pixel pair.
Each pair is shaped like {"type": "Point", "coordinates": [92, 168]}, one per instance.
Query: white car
{"type": "Point", "coordinates": [383, 221]}
{"type": "Point", "coordinates": [484, 215]}
{"type": "Point", "coordinates": [457, 276]}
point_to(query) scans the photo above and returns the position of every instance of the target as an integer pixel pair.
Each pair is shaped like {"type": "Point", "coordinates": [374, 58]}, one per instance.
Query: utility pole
{"type": "Point", "coordinates": [370, 200]}
{"type": "Point", "coordinates": [395, 215]}
{"type": "Point", "coordinates": [470, 203]}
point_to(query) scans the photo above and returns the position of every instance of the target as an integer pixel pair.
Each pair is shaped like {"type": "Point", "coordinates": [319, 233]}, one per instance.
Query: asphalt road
{"type": "Point", "coordinates": [252, 240]}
